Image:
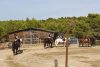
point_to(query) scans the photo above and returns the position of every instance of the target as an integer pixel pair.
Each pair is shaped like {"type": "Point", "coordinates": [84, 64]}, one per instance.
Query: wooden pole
{"type": "Point", "coordinates": [56, 62]}
{"type": "Point", "coordinates": [31, 36]}
{"type": "Point", "coordinates": [66, 56]}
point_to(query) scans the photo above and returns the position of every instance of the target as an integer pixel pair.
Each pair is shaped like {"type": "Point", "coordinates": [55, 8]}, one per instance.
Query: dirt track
{"type": "Point", "coordinates": [39, 57]}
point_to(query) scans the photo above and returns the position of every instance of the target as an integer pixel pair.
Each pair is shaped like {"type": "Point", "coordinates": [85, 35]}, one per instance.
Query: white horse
{"type": "Point", "coordinates": [60, 40]}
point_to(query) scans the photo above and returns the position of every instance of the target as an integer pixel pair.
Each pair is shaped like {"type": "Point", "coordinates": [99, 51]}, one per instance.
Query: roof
{"type": "Point", "coordinates": [38, 29]}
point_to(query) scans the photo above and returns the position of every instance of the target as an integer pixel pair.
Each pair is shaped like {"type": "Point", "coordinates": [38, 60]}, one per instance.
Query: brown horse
{"type": "Point", "coordinates": [84, 41]}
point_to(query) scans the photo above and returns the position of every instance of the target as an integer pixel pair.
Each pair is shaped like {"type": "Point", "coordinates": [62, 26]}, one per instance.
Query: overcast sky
{"type": "Point", "coordinates": [43, 9]}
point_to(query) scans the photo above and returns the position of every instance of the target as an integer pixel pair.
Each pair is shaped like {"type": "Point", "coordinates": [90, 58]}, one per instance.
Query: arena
{"type": "Point", "coordinates": [37, 56]}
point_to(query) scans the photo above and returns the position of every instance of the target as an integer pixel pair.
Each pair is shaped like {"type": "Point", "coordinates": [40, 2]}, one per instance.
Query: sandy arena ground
{"type": "Point", "coordinates": [37, 56]}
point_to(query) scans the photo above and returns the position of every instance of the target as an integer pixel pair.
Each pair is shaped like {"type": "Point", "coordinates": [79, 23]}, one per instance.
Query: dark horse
{"type": "Point", "coordinates": [84, 41]}
{"type": "Point", "coordinates": [16, 46]}
{"type": "Point", "coordinates": [48, 42]}
{"type": "Point", "coordinates": [92, 40]}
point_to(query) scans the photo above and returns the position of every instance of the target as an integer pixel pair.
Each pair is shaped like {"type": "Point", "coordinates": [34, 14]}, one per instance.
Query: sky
{"type": "Point", "coordinates": [43, 9]}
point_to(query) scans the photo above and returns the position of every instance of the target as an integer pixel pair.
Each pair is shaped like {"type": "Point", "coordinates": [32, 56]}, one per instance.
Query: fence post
{"type": "Point", "coordinates": [66, 56]}
{"type": "Point", "coordinates": [56, 62]}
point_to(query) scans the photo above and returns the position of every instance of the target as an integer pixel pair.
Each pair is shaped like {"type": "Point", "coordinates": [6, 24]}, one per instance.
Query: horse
{"type": "Point", "coordinates": [60, 40]}
{"type": "Point", "coordinates": [84, 41]}
{"type": "Point", "coordinates": [48, 42]}
{"type": "Point", "coordinates": [92, 40]}
{"type": "Point", "coordinates": [16, 46]}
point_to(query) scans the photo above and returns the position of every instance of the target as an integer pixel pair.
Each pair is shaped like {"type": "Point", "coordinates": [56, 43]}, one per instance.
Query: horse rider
{"type": "Point", "coordinates": [19, 42]}
{"type": "Point", "coordinates": [50, 36]}
{"type": "Point", "coordinates": [16, 45]}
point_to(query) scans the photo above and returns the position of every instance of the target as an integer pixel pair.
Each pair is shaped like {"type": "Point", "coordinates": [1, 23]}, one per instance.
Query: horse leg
{"type": "Point", "coordinates": [68, 43]}
{"type": "Point", "coordinates": [56, 43]}
{"type": "Point", "coordinates": [14, 51]}
{"type": "Point", "coordinates": [48, 45]}
{"type": "Point", "coordinates": [19, 47]}
{"type": "Point", "coordinates": [51, 45]}
{"type": "Point", "coordinates": [44, 45]}
{"type": "Point", "coordinates": [64, 44]}
{"type": "Point", "coordinates": [79, 44]}
{"type": "Point", "coordinates": [82, 44]}
{"type": "Point", "coordinates": [88, 44]}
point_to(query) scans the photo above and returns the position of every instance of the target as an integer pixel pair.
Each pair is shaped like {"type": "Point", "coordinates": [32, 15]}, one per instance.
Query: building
{"type": "Point", "coordinates": [30, 35]}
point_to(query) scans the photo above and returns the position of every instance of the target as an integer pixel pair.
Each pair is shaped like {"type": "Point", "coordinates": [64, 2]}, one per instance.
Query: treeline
{"type": "Point", "coordinates": [83, 25]}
